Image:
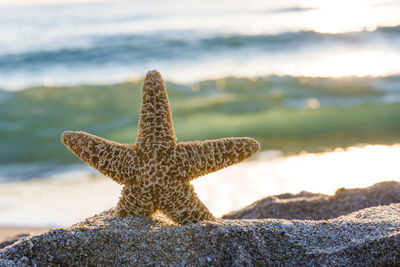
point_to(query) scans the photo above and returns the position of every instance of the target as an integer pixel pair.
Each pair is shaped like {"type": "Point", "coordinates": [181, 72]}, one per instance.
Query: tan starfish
{"type": "Point", "coordinates": [156, 170]}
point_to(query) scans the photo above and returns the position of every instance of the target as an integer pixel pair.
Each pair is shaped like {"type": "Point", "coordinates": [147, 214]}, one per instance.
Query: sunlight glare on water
{"type": "Point", "coordinates": [371, 63]}
{"type": "Point", "coordinates": [345, 16]}
{"type": "Point", "coordinates": [242, 184]}
{"type": "Point", "coordinates": [61, 201]}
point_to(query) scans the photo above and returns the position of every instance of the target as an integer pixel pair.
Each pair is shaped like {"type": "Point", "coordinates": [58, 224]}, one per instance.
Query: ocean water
{"type": "Point", "coordinates": [113, 41]}
{"type": "Point", "coordinates": [317, 83]}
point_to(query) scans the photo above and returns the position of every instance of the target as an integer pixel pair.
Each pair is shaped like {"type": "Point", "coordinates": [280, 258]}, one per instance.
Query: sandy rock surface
{"type": "Point", "coordinates": [367, 237]}
{"type": "Point", "coordinates": [311, 206]}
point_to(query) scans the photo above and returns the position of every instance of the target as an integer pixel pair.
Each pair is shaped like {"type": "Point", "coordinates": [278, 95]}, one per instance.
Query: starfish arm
{"type": "Point", "coordinates": [200, 158]}
{"type": "Point", "coordinates": [135, 201]}
{"type": "Point", "coordinates": [117, 161]}
{"type": "Point", "coordinates": [155, 122]}
{"type": "Point", "coordinates": [183, 206]}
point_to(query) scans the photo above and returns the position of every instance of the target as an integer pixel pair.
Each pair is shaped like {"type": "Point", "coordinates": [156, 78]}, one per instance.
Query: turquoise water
{"type": "Point", "coordinates": [282, 113]}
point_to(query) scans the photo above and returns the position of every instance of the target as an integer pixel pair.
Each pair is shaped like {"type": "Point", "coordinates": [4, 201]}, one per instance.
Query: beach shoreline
{"type": "Point", "coordinates": [11, 232]}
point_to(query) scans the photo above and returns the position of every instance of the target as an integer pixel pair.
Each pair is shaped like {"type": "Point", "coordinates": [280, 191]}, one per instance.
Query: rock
{"type": "Point", "coordinates": [367, 237]}
{"type": "Point", "coordinates": [310, 206]}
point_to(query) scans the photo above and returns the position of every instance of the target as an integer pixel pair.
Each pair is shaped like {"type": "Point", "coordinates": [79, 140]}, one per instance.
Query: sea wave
{"type": "Point", "coordinates": [121, 55]}
{"type": "Point", "coordinates": [285, 113]}
{"type": "Point", "coordinates": [127, 48]}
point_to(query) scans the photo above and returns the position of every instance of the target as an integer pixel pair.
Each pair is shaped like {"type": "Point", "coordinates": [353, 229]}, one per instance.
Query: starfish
{"type": "Point", "coordinates": [156, 171]}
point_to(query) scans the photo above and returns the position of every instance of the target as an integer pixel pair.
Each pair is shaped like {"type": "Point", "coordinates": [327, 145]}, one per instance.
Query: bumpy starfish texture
{"type": "Point", "coordinates": [156, 170]}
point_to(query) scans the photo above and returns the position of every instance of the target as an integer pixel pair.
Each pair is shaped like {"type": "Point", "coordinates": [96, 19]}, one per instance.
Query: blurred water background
{"type": "Point", "coordinates": [317, 83]}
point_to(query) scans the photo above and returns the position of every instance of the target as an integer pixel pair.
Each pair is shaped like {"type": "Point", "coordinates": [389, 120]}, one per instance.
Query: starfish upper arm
{"type": "Point", "coordinates": [200, 158]}
{"type": "Point", "coordinates": [112, 159]}
{"type": "Point", "coordinates": [155, 123]}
